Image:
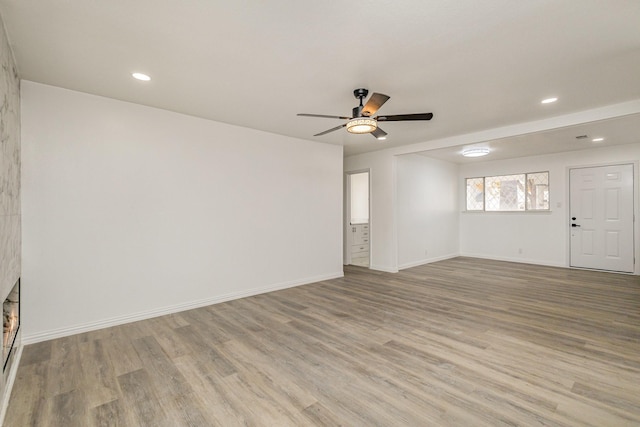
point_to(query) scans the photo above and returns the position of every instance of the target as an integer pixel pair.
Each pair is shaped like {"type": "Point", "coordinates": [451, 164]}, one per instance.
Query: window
{"type": "Point", "coordinates": [504, 193]}
{"type": "Point", "coordinates": [538, 191]}
{"type": "Point", "coordinates": [475, 194]}
{"type": "Point", "coordinates": [509, 193]}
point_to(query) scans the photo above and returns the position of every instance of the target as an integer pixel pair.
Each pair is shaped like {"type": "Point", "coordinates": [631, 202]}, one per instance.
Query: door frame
{"type": "Point", "coordinates": [346, 245]}
{"type": "Point", "coordinates": [636, 211]}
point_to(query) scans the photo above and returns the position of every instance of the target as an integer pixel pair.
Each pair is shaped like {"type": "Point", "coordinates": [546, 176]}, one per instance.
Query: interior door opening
{"type": "Point", "coordinates": [358, 230]}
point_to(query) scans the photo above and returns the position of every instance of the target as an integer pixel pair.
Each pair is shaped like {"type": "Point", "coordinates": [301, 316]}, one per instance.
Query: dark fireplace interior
{"type": "Point", "coordinates": [11, 322]}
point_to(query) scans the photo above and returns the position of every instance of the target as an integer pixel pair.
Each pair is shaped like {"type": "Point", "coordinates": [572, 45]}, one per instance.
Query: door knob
{"type": "Point", "coordinates": [575, 225]}
{"type": "Point", "coordinates": [573, 218]}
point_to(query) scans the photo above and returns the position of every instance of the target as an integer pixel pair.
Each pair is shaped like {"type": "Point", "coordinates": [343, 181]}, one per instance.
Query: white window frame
{"type": "Point", "coordinates": [526, 209]}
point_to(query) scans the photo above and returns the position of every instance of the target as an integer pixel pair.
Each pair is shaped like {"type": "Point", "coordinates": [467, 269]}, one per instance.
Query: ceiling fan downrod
{"type": "Point", "coordinates": [359, 94]}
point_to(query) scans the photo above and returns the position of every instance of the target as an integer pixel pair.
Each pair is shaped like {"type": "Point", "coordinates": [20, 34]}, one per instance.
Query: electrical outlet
{"type": "Point", "coordinates": [426, 252]}
{"type": "Point", "coordinates": [520, 251]}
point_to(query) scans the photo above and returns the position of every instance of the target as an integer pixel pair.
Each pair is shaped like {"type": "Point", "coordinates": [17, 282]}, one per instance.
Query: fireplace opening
{"type": "Point", "coordinates": [11, 323]}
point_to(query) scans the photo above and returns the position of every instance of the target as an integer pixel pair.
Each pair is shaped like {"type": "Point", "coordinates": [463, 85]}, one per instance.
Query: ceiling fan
{"type": "Point", "coordinates": [361, 120]}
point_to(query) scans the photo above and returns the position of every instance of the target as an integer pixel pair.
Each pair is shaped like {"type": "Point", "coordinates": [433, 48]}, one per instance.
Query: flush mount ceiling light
{"type": "Point", "coordinates": [549, 100]}
{"type": "Point", "coordinates": [140, 76]}
{"type": "Point", "coordinates": [361, 125]}
{"type": "Point", "coordinates": [475, 152]}
{"type": "Point", "coordinates": [597, 140]}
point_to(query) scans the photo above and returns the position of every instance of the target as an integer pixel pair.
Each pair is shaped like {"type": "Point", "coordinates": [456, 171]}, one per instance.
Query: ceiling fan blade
{"type": "Point", "coordinates": [373, 104]}
{"type": "Point", "coordinates": [323, 115]}
{"type": "Point", "coordinates": [330, 130]}
{"type": "Point", "coordinates": [379, 133]}
{"type": "Point", "coordinates": [405, 117]}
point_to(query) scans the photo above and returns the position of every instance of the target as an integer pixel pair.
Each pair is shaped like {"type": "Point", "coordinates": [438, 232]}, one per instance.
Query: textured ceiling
{"type": "Point", "coordinates": [475, 64]}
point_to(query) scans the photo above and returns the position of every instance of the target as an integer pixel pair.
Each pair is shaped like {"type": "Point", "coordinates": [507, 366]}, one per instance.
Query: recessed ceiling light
{"type": "Point", "coordinates": [475, 152]}
{"type": "Point", "coordinates": [380, 138]}
{"type": "Point", "coordinates": [549, 100]}
{"type": "Point", "coordinates": [141, 76]}
{"type": "Point", "coordinates": [597, 139]}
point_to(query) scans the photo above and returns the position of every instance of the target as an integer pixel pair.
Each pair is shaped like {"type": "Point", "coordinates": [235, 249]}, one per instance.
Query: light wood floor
{"type": "Point", "coordinates": [462, 342]}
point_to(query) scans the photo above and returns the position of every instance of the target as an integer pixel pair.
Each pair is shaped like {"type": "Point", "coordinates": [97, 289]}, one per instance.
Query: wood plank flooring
{"type": "Point", "coordinates": [462, 342]}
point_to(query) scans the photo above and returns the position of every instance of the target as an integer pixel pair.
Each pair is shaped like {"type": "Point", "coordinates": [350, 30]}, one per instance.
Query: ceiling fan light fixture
{"type": "Point", "coordinates": [475, 152]}
{"type": "Point", "coordinates": [361, 125]}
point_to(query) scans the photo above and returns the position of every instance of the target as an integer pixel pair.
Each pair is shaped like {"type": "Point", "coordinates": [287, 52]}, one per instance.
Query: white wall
{"type": "Point", "coordinates": [131, 211]}
{"type": "Point", "coordinates": [543, 237]}
{"type": "Point", "coordinates": [427, 210]}
{"type": "Point", "coordinates": [382, 244]}
{"type": "Point", "coordinates": [403, 220]}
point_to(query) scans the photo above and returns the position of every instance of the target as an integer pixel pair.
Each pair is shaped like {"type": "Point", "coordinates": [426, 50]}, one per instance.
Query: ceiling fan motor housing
{"type": "Point", "coordinates": [361, 94]}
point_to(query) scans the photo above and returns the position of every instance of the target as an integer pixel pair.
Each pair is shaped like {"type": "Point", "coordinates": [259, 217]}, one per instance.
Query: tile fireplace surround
{"type": "Point", "coordinates": [10, 195]}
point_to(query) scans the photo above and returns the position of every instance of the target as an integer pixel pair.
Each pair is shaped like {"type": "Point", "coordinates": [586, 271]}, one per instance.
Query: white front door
{"type": "Point", "coordinates": [601, 218]}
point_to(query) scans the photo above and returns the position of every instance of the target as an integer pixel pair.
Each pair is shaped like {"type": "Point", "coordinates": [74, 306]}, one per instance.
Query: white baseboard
{"type": "Point", "coordinates": [426, 261]}
{"type": "Point", "coordinates": [114, 321]}
{"type": "Point", "coordinates": [382, 268]}
{"type": "Point", "coordinates": [511, 259]}
{"type": "Point", "coordinates": [9, 385]}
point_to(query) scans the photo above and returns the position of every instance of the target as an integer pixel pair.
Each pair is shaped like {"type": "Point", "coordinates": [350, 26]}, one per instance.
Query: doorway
{"type": "Point", "coordinates": [357, 221]}
{"type": "Point", "coordinates": [602, 218]}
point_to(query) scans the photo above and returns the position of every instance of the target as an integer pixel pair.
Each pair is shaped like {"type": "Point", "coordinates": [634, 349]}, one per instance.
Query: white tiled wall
{"type": "Point", "coordinates": [10, 210]}
{"type": "Point", "coordinates": [9, 168]}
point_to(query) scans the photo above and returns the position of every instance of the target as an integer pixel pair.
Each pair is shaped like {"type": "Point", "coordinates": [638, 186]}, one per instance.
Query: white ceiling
{"type": "Point", "coordinates": [618, 131]}
{"type": "Point", "coordinates": [475, 64]}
